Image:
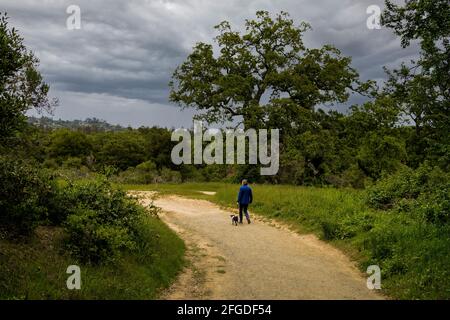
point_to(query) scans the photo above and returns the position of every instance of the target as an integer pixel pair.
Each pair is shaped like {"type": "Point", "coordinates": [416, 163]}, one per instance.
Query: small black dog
{"type": "Point", "coordinates": [234, 219]}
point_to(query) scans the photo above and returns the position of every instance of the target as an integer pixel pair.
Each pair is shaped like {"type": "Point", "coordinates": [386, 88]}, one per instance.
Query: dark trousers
{"type": "Point", "coordinates": [243, 207]}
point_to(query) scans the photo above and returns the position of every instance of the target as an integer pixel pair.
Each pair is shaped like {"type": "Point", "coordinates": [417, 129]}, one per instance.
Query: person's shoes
{"type": "Point", "coordinates": [240, 222]}
{"type": "Point", "coordinates": [249, 221]}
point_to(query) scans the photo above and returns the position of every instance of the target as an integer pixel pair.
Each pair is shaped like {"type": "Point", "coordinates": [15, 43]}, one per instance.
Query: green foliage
{"type": "Point", "coordinates": [425, 20]}
{"type": "Point", "coordinates": [121, 149]}
{"type": "Point", "coordinates": [24, 194]}
{"type": "Point", "coordinates": [380, 153]}
{"type": "Point", "coordinates": [65, 144]}
{"type": "Point", "coordinates": [100, 220]}
{"type": "Point", "coordinates": [134, 176]}
{"type": "Point", "coordinates": [94, 240]}
{"type": "Point", "coordinates": [73, 162]}
{"type": "Point", "coordinates": [158, 145]}
{"type": "Point", "coordinates": [21, 85]}
{"type": "Point", "coordinates": [143, 173]}
{"type": "Point", "coordinates": [424, 192]}
{"type": "Point", "coordinates": [215, 172]}
{"type": "Point", "coordinates": [268, 59]}
{"type": "Point", "coordinates": [170, 176]}
{"type": "Point", "coordinates": [146, 173]}
{"type": "Point", "coordinates": [420, 89]}
{"type": "Point", "coordinates": [191, 173]}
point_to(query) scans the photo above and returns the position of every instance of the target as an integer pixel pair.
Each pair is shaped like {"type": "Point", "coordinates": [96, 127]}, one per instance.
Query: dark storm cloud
{"type": "Point", "coordinates": [126, 51]}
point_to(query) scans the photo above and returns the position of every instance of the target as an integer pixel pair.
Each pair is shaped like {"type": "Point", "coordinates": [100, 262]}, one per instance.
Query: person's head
{"type": "Point", "coordinates": [244, 182]}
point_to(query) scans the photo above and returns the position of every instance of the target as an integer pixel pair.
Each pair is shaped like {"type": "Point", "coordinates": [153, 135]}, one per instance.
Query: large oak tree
{"type": "Point", "coordinates": [261, 72]}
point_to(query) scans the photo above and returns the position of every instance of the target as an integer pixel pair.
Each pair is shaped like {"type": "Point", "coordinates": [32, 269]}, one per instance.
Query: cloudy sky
{"type": "Point", "coordinates": [117, 66]}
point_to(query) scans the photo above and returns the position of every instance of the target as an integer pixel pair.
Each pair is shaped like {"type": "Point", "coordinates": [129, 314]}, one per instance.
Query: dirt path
{"type": "Point", "coordinates": [256, 261]}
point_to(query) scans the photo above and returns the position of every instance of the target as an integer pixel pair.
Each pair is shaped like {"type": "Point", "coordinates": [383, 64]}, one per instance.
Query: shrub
{"type": "Point", "coordinates": [143, 173]}
{"type": "Point", "coordinates": [346, 226]}
{"type": "Point", "coordinates": [50, 163]}
{"type": "Point", "coordinates": [191, 173]}
{"type": "Point", "coordinates": [380, 153]}
{"type": "Point", "coordinates": [131, 176]}
{"type": "Point", "coordinates": [353, 177]}
{"type": "Point", "coordinates": [91, 239]}
{"type": "Point", "coordinates": [73, 162]}
{"type": "Point", "coordinates": [23, 198]}
{"type": "Point", "coordinates": [65, 143]}
{"type": "Point", "coordinates": [424, 191]}
{"type": "Point", "coordinates": [73, 173]}
{"type": "Point", "coordinates": [100, 220]}
{"type": "Point", "coordinates": [168, 175]}
{"type": "Point", "coordinates": [435, 206]}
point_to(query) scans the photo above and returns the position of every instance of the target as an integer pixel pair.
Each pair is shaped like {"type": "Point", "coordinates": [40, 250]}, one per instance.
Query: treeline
{"type": "Point", "coordinates": [329, 148]}
{"type": "Point", "coordinates": [136, 155]}
{"type": "Point", "coordinates": [89, 124]}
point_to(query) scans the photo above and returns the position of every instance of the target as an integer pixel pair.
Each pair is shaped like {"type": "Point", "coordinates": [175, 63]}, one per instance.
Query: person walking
{"type": "Point", "coordinates": [245, 197]}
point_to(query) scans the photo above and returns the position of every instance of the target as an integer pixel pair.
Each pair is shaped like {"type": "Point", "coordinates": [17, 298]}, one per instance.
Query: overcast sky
{"type": "Point", "coordinates": [117, 66]}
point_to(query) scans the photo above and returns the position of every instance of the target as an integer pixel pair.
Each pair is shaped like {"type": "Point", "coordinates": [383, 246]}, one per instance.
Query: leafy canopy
{"type": "Point", "coordinates": [21, 85]}
{"type": "Point", "coordinates": [421, 89]}
{"type": "Point", "coordinates": [265, 68]}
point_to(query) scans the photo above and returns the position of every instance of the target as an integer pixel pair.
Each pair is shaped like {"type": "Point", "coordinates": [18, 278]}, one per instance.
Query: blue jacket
{"type": "Point", "coordinates": [245, 195]}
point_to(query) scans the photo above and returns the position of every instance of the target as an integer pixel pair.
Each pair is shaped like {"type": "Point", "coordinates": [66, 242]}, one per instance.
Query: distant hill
{"type": "Point", "coordinates": [89, 124]}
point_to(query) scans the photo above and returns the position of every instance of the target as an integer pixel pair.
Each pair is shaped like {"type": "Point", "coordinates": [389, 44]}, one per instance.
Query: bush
{"type": "Point", "coordinates": [65, 143]}
{"type": "Point", "coordinates": [91, 239]}
{"type": "Point", "coordinates": [353, 177]}
{"type": "Point", "coordinates": [50, 164]}
{"type": "Point", "coordinates": [132, 176]}
{"type": "Point", "coordinates": [168, 175]}
{"type": "Point", "coordinates": [143, 173]}
{"type": "Point", "coordinates": [72, 173]}
{"type": "Point", "coordinates": [100, 222]}
{"type": "Point", "coordinates": [191, 173]}
{"type": "Point", "coordinates": [424, 191]}
{"type": "Point", "coordinates": [380, 154]}
{"type": "Point", "coordinates": [73, 162]}
{"type": "Point", "coordinates": [435, 206]}
{"type": "Point", "coordinates": [24, 194]}
{"type": "Point", "coordinates": [414, 257]}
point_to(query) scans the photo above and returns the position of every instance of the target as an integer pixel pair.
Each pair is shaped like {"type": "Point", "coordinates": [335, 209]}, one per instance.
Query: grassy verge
{"type": "Point", "coordinates": [413, 256]}
{"type": "Point", "coordinates": [36, 269]}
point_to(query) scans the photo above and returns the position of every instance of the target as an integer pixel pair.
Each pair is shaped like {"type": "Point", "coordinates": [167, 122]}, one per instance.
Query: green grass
{"type": "Point", "coordinates": [414, 256]}
{"type": "Point", "coordinates": [36, 269]}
